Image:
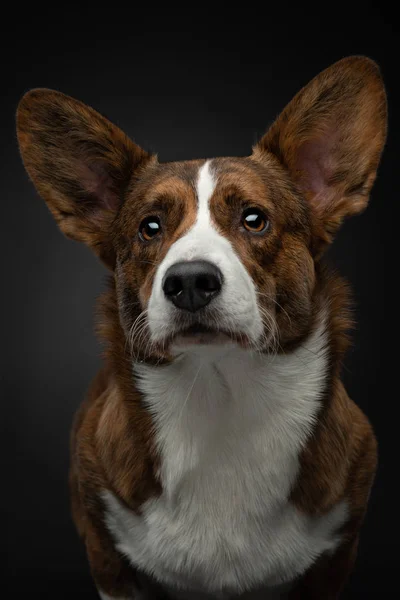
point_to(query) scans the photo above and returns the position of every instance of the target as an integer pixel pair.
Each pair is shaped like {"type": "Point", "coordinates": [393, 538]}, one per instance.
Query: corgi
{"type": "Point", "coordinates": [217, 454]}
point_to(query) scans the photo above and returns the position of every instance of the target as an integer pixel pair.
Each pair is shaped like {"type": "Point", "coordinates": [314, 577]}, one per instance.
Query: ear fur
{"type": "Point", "coordinates": [80, 163]}
{"type": "Point", "coordinates": [330, 138]}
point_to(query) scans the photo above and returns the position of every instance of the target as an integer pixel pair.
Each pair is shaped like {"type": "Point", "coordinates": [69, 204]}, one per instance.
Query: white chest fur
{"type": "Point", "coordinates": [230, 427]}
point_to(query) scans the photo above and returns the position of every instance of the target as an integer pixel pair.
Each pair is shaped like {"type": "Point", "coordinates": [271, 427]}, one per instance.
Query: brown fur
{"type": "Point", "coordinates": [79, 162]}
{"type": "Point", "coordinates": [313, 168]}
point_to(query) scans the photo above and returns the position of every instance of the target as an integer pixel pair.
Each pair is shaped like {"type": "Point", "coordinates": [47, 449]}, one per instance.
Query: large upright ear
{"type": "Point", "coordinates": [330, 138]}
{"type": "Point", "coordinates": [80, 163]}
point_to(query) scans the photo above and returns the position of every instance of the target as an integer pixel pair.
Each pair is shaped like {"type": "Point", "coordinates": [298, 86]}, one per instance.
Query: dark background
{"type": "Point", "coordinates": [195, 90]}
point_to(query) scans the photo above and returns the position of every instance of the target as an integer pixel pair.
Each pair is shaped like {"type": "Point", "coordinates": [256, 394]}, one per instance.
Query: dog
{"type": "Point", "coordinates": [217, 454]}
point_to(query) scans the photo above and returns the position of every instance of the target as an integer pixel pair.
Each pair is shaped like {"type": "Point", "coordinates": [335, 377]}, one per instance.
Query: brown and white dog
{"type": "Point", "coordinates": [217, 453]}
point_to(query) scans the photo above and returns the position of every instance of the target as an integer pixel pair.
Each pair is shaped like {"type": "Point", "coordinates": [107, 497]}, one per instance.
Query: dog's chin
{"type": "Point", "coordinates": [212, 338]}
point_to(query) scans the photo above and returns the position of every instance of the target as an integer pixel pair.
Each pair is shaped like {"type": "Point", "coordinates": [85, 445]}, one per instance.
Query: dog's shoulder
{"type": "Point", "coordinates": [339, 461]}
{"type": "Point", "coordinates": [111, 446]}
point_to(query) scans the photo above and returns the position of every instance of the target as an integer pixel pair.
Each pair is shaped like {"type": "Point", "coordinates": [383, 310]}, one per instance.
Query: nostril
{"type": "Point", "coordinates": [173, 286]}
{"type": "Point", "coordinates": [208, 283]}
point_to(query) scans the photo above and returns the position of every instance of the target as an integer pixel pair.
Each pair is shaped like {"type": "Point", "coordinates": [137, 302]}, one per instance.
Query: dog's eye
{"type": "Point", "coordinates": [149, 228]}
{"type": "Point", "coordinates": [254, 220]}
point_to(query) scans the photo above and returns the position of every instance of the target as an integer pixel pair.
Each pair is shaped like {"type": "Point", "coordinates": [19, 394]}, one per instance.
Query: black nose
{"type": "Point", "coordinates": [192, 284]}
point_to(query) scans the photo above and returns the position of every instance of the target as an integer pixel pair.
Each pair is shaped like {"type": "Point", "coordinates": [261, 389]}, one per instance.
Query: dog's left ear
{"type": "Point", "coordinates": [330, 138]}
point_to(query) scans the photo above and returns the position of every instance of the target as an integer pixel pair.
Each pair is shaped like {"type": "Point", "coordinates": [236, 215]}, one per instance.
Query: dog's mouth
{"type": "Point", "coordinates": [200, 334]}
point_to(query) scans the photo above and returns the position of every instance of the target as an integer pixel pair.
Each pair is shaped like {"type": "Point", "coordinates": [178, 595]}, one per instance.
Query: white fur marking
{"type": "Point", "coordinates": [205, 188]}
{"type": "Point", "coordinates": [230, 427]}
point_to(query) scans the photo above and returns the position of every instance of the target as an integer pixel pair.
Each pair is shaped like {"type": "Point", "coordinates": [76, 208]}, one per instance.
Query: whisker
{"type": "Point", "coordinates": [277, 304]}
{"type": "Point", "coordinates": [134, 325]}
{"type": "Point", "coordinates": [147, 262]}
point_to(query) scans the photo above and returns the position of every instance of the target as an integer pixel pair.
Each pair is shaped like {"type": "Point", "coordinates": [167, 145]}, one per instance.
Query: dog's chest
{"type": "Point", "coordinates": [230, 455]}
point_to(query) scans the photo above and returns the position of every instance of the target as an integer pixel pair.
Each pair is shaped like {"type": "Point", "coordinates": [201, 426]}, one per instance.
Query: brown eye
{"type": "Point", "coordinates": [149, 228]}
{"type": "Point", "coordinates": [254, 220]}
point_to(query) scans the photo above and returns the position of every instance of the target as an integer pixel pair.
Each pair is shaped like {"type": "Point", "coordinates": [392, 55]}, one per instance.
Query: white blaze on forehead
{"type": "Point", "coordinates": [205, 187]}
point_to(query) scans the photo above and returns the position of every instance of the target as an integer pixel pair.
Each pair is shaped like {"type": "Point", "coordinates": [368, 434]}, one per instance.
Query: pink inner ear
{"type": "Point", "coordinates": [314, 164]}
{"type": "Point", "coordinates": [98, 183]}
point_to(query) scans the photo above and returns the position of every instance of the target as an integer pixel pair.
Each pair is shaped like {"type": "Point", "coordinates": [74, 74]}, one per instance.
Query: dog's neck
{"type": "Point", "coordinates": [211, 394]}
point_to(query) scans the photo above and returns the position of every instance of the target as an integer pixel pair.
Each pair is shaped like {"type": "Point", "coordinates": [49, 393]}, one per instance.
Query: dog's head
{"type": "Point", "coordinates": [212, 251]}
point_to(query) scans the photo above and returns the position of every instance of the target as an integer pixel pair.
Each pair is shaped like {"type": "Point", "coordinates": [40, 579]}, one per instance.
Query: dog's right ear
{"type": "Point", "coordinates": [80, 163]}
